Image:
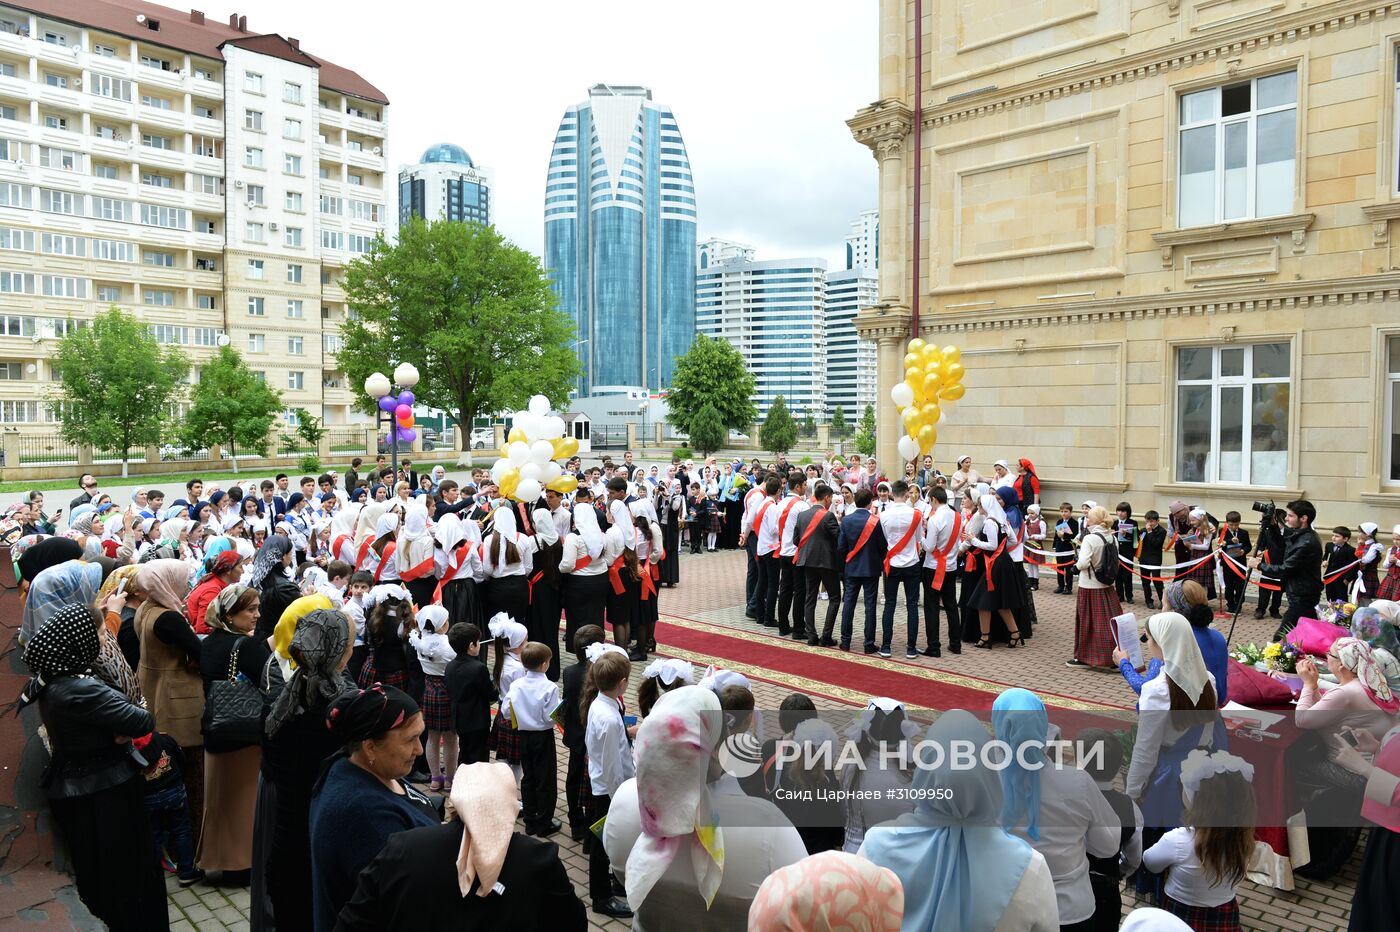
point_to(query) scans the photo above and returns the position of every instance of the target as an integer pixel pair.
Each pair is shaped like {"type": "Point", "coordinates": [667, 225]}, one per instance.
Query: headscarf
{"type": "Point", "coordinates": [643, 507]}
{"type": "Point", "coordinates": [1019, 720]}
{"type": "Point", "coordinates": [212, 550]}
{"type": "Point", "coordinates": [319, 644]}
{"type": "Point", "coordinates": [486, 799]}
{"type": "Point", "coordinates": [269, 559]}
{"type": "Point", "coordinates": [194, 510]}
{"type": "Point", "coordinates": [1176, 598]}
{"type": "Point", "coordinates": [1152, 919]}
{"type": "Point", "coordinates": [832, 891]}
{"type": "Point", "coordinates": [991, 505]}
{"type": "Point", "coordinates": [343, 524]}
{"type": "Point", "coordinates": [502, 628]}
{"type": "Point", "coordinates": [385, 525]}
{"type": "Point", "coordinates": [958, 866]}
{"type": "Point", "coordinates": [438, 474]}
{"type": "Point", "coordinates": [32, 559]}
{"type": "Point", "coordinates": [450, 532]}
{"type": "Point", "coordinates": [503, 529]}
{"type": "Point", "coordinates": [1011, 506]}
{"type": "Point", "coordinates": [286, 626]}
{"type": "Point", "coordinates": [369, 713]}
{"type": "Point", "coordinates": [622, 520]}
{"type": "Point", "coordinates": [167, 583]}
{"type": "Point", "coordinates": [1355, 655]}
{"type": "Point", "coordinates": [109, 585]}
{"type": "Point", "coordinates": [670, 670]}
{"type": "Point", "coordinates": [674, 745]}
{"type": "Point", "coordinates": [1181, 655]}
{"type": "Point", "coordinates": [358, 494]}
{"type": "Point", "coordinates": [66, 645]}
{"type": "Point", "coordinates": [586, 526]}
{"type": "Point", "coordinates": [368, 519]}
{"type": "Point", "coordinates": [58, 586]}
{"type": "Point", "coordinates": [216, 615]}
{"type": "Point", "coordinates": [416, 544]}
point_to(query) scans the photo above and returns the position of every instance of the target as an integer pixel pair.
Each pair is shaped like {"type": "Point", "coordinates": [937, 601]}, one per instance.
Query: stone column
{"type": "Point", "coordinates": [11, 442]}
{"type": "Point", "coordinates": [371, 443]}
{"type": "Point", "coordinates": [895, 193]}
{"type": "Point", "coordinates": [824, 438]}
{"type": "Point", "coordinates": [888, 325]}
{"type": "Point", "coordinates": [500, 432]}
{"type": "Point", "coordinates": [631, 436]}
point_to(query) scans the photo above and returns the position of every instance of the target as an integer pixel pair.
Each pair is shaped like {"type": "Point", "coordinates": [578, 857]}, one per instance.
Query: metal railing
{"type": "Point", "coordinates": [39, 450]}
{"type": "Point", "coordinates": [133, 455]}
{"type": "Point", "coordinates": [347, 440]}
{"type": "Point", "coordinates": [294, 445]}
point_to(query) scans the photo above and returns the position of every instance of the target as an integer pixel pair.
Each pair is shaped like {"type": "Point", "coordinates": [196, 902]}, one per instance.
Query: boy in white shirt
{"type": "Point", "coordinates": [529, 703]}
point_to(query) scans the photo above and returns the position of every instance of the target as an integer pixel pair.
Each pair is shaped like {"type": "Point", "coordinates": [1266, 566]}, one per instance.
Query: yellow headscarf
{"type": "Point", "coordinates": [287, 626]}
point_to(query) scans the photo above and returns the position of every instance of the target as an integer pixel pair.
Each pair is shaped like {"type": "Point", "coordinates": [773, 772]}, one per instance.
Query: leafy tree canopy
{"type": "Point", "coordinates": [231, 407]}
{"type": "Point", "coordinates": [865, 433]}
{"type": "Point", "coordinates": [707, 430]}
{"type": "Point", "coordinates": [712, 372]}
{"type": "Point", "coordinates": [779, 431]}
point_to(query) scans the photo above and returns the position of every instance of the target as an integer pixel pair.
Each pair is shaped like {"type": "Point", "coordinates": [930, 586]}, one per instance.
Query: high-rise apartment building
{"type": "Point", "coordinates": [774, 313]}
{"type": "Point", "coordinates": [850, 361]}
{"type": "Point", "coordinates": [212, 180]}
{"type": "Point", "coordinates": [619, 224]}
{"type": "Point", "coordinates": [445, 185]}
{"type": "Point", "coordinates": [715, 250]}
{"type": "Point", "coordinates": [863, 242]}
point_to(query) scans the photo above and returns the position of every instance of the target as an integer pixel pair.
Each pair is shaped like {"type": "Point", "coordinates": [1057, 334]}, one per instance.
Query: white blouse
{"type": "Point", "coordinates": [1186, 881]}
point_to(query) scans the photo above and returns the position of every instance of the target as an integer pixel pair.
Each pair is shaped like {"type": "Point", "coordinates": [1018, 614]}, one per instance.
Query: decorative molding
{"type": "Point", "coordinates": [1025, 29]}
{"type": "Point", "coordinates": [884, 323]}
{"type": "Point", "coordinates": [1184, 489]}
{"type": "Point", "coordinates": [1173, 7]}
{"type": "Point", "coordinates": [883, 127]}
{"type": "Point", "coordinates": [1294, 224]}
{"type": "Point", "coordinates": [1237, 263]}
{"type": "Point", "coordinates": [1380, 216]}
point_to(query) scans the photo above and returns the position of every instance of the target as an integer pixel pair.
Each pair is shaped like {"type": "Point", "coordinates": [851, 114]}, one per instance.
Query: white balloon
{"type": "Point", "coordinates": [539, 406]}
{"type": "Point", "coordinates": [530, 471]}
{"type": "Point", "coordinates": [519, 453]}
{"type": "Point", "coordinates": [550, 471]}
{"type": "Point", "coordinates": [528, 490]}
{"type": "Point", "coordinates": [541, 451]}
{"type": "Point", "coordinates": [530, 424]}
{"type": "Point", "coordinates": [500, 468]}
{"type": "Point", "coordinates": [902, 395]}
{"type": "Point", "coordinates": [908, 447]}
{"type": "Point", "coordinates": [552, 428]}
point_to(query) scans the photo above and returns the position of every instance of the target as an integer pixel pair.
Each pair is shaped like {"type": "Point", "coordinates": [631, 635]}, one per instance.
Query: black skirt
{"type": "Point", "coordinates": [733, 517]}
{"type": "Point", "coordinates": [585, 601]}
{"type": "Point", "coordinates": [1005, 591]}
{"type": "Point", "coordinates": [543, 623]}
{"type": "Point", "coordinates": [1377, 898]}
{"type": "Point", "coordinates": [671, 562]}
{"type": "Point", "coordinates": [459, 598]}
{"type": "Point", "coordinates": [509, 594]}
{"type": "Point", "coordinates": [623, 606]}
{"type": "Point", "coordinates": [422, 589]}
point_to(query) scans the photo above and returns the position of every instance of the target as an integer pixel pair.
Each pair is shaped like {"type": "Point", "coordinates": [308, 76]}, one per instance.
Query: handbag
{"type": "Point", "coordinates": [233, 709]}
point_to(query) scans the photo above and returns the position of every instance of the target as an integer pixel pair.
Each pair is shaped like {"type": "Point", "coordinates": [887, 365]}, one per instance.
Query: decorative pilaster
{"type": "Point", "coordinates": [888, 326]}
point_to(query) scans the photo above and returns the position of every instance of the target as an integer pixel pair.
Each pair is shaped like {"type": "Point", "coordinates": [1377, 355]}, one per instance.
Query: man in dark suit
{"type": "Point", "coordinates": [861, 548]}
{"type": "Point", "coordinates": [816, 532]}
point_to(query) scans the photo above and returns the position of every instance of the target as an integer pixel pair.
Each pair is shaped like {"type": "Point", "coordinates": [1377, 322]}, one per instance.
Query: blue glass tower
{"type": "Point", "coordinates": [619, 233]}
{"type": "Point", "coordinates": [445, 185]}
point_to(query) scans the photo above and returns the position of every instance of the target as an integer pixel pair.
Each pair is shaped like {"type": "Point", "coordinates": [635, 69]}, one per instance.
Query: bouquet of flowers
{"type": "Point", "coordinates": [1276, 656]}
{"type": "Point", "coordinates": [1337, 612]}
{"type": "Point", "coordinates": [740, 483]}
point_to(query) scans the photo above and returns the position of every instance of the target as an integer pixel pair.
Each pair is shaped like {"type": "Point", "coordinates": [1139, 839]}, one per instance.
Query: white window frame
{"type": "Point", "coordinates": [1390, 470]}
{"type": "Point", "coordinates": [291, 92]}
{"type": "Point", "coordinates": [1217, 383]}
{"type": "Point", "coordinates": [291, 129]}
{"type": "Point", "coordinates": [296, 380]}
{"type": "Point", "coordinates": [293, 202]}
{"type": "Point", "coordinates": [296, 308]}
{"type": "Point", "coordinates": [253, 120]}
{"type": "Point", "coordinates": [253, 157]}
{"type": "Point", "coordinates": [291, 164]}
{"type": "Point", "coordinates": [257, 343]}
{"type": "Point", "coordinates": [257, 307]}
{"type": "Point", "coordinates": [293, 238]}
{"type": "Point", "coordinates": [257, 195]}
{"type": "Point", "coordinates": [256, 270]}
{"type": "Point", "coordinates": [294, 273]}
{"type": "Point", "coordinates": [252, 82]}
{"type": "Point", "coordinates": [296, 346]}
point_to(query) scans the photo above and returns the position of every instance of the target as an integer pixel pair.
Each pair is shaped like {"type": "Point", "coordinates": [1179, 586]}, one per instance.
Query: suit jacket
{"type": "Point", "coordinates": [412, 886]}
{"type": "Point", "coordinates": [573, 692]}
{"type": "Point", "coordinates": [820, 549]}
{"type": "Point", "coordinates": [471, 691]}
{"type": "Point", "coordinates": [870, 560]}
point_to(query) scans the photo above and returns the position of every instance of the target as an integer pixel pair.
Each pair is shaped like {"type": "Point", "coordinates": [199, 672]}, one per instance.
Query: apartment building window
{"type": "Point", "coordinates": [331, 205]}
{"type": "Point", "coordinates": [364, 210]}
{"type": "Point", "coordinates": [209, 184]}
{"type": "Point", "coordinates": [205, 302]}
{"type": "Point", "coordinates": [15, 238]}
{"type": "Point", "coordinates": [354, 180]}
{"type": "Point", "coordinates": [165, 260]}
{"type": "Point", "coordinates": [332, 239]}
{"type": "Point", "coordinates": [11, 150]}
{"type": "Point", "coordinates": [113, 250]}
{"type": "Point", "coordinates": [208, 147]}
{"type": "Point", "coordinates": [60, 202]}
{"type": "Point", "coordinates": [295, 308]}
{"type": "Point", "coordinates": [14, 195]}
{"type": "Point", "coordinates": [294, 346]}
{"type": "Point", "coordinates": [254, 233]}
{"type": "Point", "coordinates": [257, 343]}
{"type": "Point", "coordinates": [294, 201]}
{"type": "Point", "coordinates": [294, 274]}
{"type": "Point", "coordinates": [110, 208]}
{"type": "Point", "coordinates": [106, 51]}
{"type": "Point", "coordinates": [252, 82]}
{"type": "Point", "coordinates": [253, 157]}
{"type": "Point", "coordinates": [109, 293]}
{"type": "Point", "coordinates": [153, 141]}
{"type": "Point", "coordinates": [357, 242]}
{"type": "Point", "coordinates": [1232, 413]}
{"type": "Point", "coordinates": [291, 164]}
{"type": "Point", "coordinates": [253, 120]}
{"type": "Point", "coordinates": [291, 417]}
{"type": "Point", "coordinates": [8, 70]}
{"type": "Point", "coordinates": [172, 218]}
{"type": "Point", "coordinates": [107, 172]}
{"type": "Point", "coordinates": [157, 298]}
{"type": "Point", "coordinates": [55, 80]}
{"type": "Point", "coordinates": [256, 193]}
{"type": "Point", "coordinates": [53, 121]}
{"type": "Point", "coordinates": [159, 64]}
{"type": "Point", "coordinates": [106, 86]}
{"type": "Point", "coordinates": [255, 269]}
{"type": "Point", "coordinates": [207, 336]}
{"type": "Point", "coordinates": [291, 92]}
{"type": "Point", "coordinates": [257, 307]}
{"type": "Point", "coordinates": [1237, 151]}
{"type": "Point", "coordinates": [158, 103]}
{"type": "Point", "coordinates": [331, 343]}
{"type": "Point", "coordinates": [206, 264]}
{"type": "Point", "coordinates": [322, 171]}
{"type": "Point", "coordinates": [157, 180]}
{"type": "Point", "coordinates": [17, 283]}
{"type": "Point", "coordinates": [205, 112]}
{"type": "Point", "coordinates": [204, 74]}
{"type": "Point", "coordinates": [59, 244]}
{"type": "Point", "coordinates": [295, 380]}
{"type": "Point", "coordinates": [291, 129]}
{"type": "Point", "coordinates": [11, 371]}
{"type": "Point", "coordinates": [169, 334]}
{"type": "Point", "coordinates": [19, 412]}
{"type": "Point", "coordinates": [12, 325]}
{"type": "Point", "coordinates": [291, 236]}
{"type": "Point", "coordinates": [63, 286]}
{"type": "Point", "coordinates": [63, 159]}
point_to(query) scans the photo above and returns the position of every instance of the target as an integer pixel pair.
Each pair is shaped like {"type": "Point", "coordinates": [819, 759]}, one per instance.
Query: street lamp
{"type": "Point", "coordinates": [645, 403]}
{"type": "Point", "coordinates": [377, 386]}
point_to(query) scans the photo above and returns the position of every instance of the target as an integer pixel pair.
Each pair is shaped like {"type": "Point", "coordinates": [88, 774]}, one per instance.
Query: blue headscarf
{"type": "Point", "coordinates": [959, 867]}
{"type": "Point", "coordinates": [176, 510]}
{"type": "Point", "coordinates": [194, 511]}
{"type": "Point", "coordinates": [1011, 504]}
{"type": "Point", "coordinates": [215, 547]}
{"type": "Point", "coordinates": [1019, 719]}
{"type": "Point", "coordinates": [358, 493]}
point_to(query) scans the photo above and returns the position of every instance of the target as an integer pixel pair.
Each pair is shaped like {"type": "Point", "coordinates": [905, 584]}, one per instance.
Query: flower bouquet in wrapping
{"type": "Point", "coordinates": [1336, 612]}
{"type": "Point", "coordinates": [1278, 656]}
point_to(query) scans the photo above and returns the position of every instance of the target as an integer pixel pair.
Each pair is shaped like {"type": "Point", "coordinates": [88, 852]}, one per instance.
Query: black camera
{"type": "Point", "coordinates": [1266, 510]}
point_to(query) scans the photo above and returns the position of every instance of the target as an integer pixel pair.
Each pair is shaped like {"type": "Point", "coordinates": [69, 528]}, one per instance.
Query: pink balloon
{"type": "Point", "coordinates": [403, 411]}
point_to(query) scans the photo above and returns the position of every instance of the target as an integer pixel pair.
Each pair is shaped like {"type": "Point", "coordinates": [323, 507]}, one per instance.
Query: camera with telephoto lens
{"type": "Point", "coordinates": [1266, 510]}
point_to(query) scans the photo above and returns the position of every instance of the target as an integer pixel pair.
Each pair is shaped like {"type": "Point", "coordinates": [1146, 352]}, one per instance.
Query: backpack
{"type": "Point", "coordinates": [1105, 567]}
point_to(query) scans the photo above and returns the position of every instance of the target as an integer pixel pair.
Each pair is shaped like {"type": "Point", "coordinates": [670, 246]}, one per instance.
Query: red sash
{"type": "Point", "coordinates": [991, 559]}
{"type": "Point", "coordinates": [615, 576]}
{"type": "Point", "coordinates": [421, 569]}
{"type": "Point", "coordinates": [452, 571]}
{"type": "Point", "coordinates": [865, 533]}
{"type": "Point", "coordinates": [782, 524]}
{"type": "Point", "coordinates": [585, 561]}
{"type": "Point", "coordinates": [903, 541]}
{"type": "Point", "coordinates": [340, 542]}
{"type": "Point", "coordinates": [942, 556]}
{"type": "Point", "coordinates": [758, 520]}
{"type": "Point", "coordinates": [811, 529]}
{"type": "Point", "coordinates": [648, 583]}
{"type": "Point", "coordinates": [530, 584]}
{"type": "Point", "coordinates": [385, 557]}
{"type": "Point", "coordinates": [360, 554]}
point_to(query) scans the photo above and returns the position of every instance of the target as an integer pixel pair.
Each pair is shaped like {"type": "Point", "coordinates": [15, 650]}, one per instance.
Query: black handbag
{"type": "Point", "coordinates": [233, 708]}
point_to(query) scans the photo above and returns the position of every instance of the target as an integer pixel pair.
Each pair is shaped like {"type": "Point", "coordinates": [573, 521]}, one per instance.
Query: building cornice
{"type": "Point", "coordinates": [1218, 45]}
{"type": "Point", "coordinates": [1244, 299]}
{"type": "Point", "coordinates": [883, 123]}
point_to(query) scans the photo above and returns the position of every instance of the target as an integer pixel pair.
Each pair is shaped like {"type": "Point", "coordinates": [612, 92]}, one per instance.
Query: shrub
{"type": "Point", "coordinates": [309, 464]}
{"type": "Point", "coordinates": [684, 453]}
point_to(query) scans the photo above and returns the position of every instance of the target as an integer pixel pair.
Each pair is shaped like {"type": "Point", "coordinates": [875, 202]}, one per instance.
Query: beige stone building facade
{"type": "Point", "coordinates": [1162, 233]}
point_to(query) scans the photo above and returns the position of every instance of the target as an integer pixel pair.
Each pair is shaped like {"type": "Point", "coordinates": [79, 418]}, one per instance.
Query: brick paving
{"type": "Point", "coordinates": [711, 590]}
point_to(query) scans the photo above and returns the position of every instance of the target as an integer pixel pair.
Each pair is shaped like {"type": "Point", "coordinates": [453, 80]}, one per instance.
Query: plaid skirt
{"type": "Point", "coordinates": [1094, 610]}
{"type": "Point", "coordinates": [437, 705]}
{"type": "Point", "coordinates": [504, 740]}
{"type": "Point", "coordinates": [1389, 588]}
{"type": "Point", "coordinates": [369, 675]}
{"type": "Point", "coordinates": [1223, 918]}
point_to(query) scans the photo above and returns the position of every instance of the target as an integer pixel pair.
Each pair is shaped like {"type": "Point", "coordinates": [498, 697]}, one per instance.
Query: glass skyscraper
{"type": "Point", "coordinates": [445, 185]}
{"type": "Point", "coordinates": [619, 222]}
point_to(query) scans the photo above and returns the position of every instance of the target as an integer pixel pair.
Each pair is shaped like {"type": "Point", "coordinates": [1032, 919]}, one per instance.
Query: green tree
{"type": "Point", "coordinates": [839, 427]}
{"type": "Point", "coordinates": [474, 312]}
{"type": "Point", "coordinates": [711, 372]}
{"type": "Point", "coordinates": [809, 425]}
{"type": "Point", "coordinates": [865, 433]}
{"type": "Point", "coordinates": [779, 431]}
{"type": "Point", "coordinates": [309, 427]}
{"type": "Point", "coordinates": [231, 407]}
{"type": "Point", "coordinates": [707, 430]}
{"type": "Point", "coordinates": [115, 385]}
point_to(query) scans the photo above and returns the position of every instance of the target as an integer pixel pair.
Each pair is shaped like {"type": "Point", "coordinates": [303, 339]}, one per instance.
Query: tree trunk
{"type": "Point", "coordinates": [233, 455]}
{"type": "Point", "coordinates": [124, 472]}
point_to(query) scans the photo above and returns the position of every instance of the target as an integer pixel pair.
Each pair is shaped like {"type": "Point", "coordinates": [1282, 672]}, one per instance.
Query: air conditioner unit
{"type": "Point", "coordinates": [273, 227]}
{"type": "Point", "coordinates": [238, 183]}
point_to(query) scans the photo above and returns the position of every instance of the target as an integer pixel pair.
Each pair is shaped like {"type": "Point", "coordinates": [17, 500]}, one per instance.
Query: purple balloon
{"type": "Point", "coordinates": [403, 411]}
{"type": "Point", "coordinates": [406, 398]}
{"type": "Point", "coordinates": [408, 434]}
{"type": "Point", "coordinates": [387, 404]}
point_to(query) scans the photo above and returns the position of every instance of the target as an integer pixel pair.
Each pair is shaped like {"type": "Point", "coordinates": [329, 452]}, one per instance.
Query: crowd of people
{"type": "Point", "coordinates": [268, 683]}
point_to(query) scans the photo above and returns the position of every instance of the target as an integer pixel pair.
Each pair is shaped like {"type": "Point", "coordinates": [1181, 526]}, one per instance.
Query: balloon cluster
{"type": "Point", "coordinates": [401, 407]}
{"type": "Point", "coordinates": [526, 467]}
{"type": "Point", "coordinates": [931, 376]}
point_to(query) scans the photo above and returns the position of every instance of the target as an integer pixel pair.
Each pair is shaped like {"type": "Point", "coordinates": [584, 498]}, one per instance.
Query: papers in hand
{"type": "Point", "coordinates": [1125, 635]}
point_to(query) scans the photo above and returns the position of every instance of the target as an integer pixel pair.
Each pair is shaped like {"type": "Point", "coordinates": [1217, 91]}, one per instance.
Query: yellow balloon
{"type": "Point", "coordinates": [916, 345]}
{"type": "Point", "coordinates": [931, 354]}
{"type": "Point", "coordinates": [931, 412]}
{"type": "Point", "coordinates": [912, 419]}
{"type": "Point", "coordinates": [914, 375]}
{"type": "Point", "coordinates": [953, 373]}
{"type": "Point", "coordinates": [932, 383]}
{"type": "Point", "coordinates": [919, 396]}
{"type": "Point", "coordinates": [927, 437]}
{"type": "Point", "coordinates": [509, 482]}
{"type": "Point", "coordinates": [952, 392]}
{"type": "Point", "coordinates": [951, 354]}
{"type": "Point", "coordinates": [565, 447]}
{"type": "Point", "coordinates": [563, 485]}
{"type": "Point", "coordinates": [911, 360]}
{"type": "Point", "coordinates": [516, 433]}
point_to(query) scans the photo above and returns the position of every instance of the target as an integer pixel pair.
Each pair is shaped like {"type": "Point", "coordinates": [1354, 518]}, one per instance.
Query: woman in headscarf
{"type": "Point", "coordinates": [964, 476]}
{"type": "Point", "coordinates": [269, 576]}
{"type": "Point", "coordinates": [961, 871]}
{"type": "Point", "coordinates": [222, 567]}
{"type": "Point", "coordinates": [361, 797]}
{"type": "Point", "coordinates": [57, 586]}
{"type": "Point", "coordinates": [296, 742]}
{"type": "Point", "coordinates": [649, 553]}
{"type": "Point", "coordinates": [94, 780]}
{"type": "Point", "coordinates": [1057, 808]}
{"type": "Point", "coordinates": [169, 672]}
{"type": "Point", "coordinates": [31, 559]}
{"type": "Point", "coordinates": [458, 564]}
{"type": "Point", "coordinates": [829, 892]}
{"type": "Point", "coordinates": [1189, 599]}
{"type": "Point", "coordinates": [585, 563]}
{"type": "Point", "coordinates": [545, 586]}
{"type": "Point", "coordinates": [1097, 603]}
{"type": "Point", "coordinates": [1362, 700]}
{"type": "Point", "coordinates": [624, 573]}
{"type": "Point", "coordinates": [413, 554]}
{"type": "Point", "coordinates": [670, 508]}
{"type": "Point", "coordinates": [439, 473]}
{"type": "Point", "coordinates": [343, 534]}
{"type": "Point", "coordinates": [1015, 547]}
{"type": "Point", "coordinates": [230, 767]}
{"type": "Point", "coordinates": [507, 564]}
{"type": "Point", "coordinates": [113, 666]}
{"type": "Point", "coordinates": [997, 590]}
{"type": "Point", "coordinates": [691, 859]}
{"type": "Point", "coordinates": [474, 872]}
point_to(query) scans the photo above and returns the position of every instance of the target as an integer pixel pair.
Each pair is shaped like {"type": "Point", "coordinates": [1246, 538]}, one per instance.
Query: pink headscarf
{"type": "Point", "coordinates": [829, 891]}
{"type": "Point", "coordinates": [485, 798]}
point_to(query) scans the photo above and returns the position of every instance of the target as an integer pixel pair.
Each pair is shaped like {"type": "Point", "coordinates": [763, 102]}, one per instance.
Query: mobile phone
{"type": "Point", "coordinates": [121, 586]}
{"type": "Point", "coordinates": [1349, 738]}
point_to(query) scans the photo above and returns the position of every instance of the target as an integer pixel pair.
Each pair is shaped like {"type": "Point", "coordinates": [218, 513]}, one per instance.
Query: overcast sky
{"type": "Point", "coordinates": [761, 90]}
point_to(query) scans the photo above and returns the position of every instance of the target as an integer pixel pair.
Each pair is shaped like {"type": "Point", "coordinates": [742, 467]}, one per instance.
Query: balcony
{"type": "Point", "coordinates": [365, 158]}
{"type": "Point", "coordinates": [67, 98]}
{"type": "Point", "coordinates": [111, 107]}
{"type": "Point", "coordinates": [177, 120]}
{"type": "Point", "coordinates": [365, 126]}
{"type": "Point", "coordinates": [157, 77]}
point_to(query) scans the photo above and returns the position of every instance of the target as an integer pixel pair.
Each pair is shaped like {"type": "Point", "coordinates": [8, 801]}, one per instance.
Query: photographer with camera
{"type": "Point", "coordinates": [1269, 544]}
{"type": "Point", "coordinates": [1300, 571]}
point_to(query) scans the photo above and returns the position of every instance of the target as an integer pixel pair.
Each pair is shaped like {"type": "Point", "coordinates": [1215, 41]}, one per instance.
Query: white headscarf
{"type": "Point", "coordinates": [450, 532]}
{"type": "Point", "coordinates": [343, 524]}
{"type": "Point", "coordinates": [368, 519]}
{"type": "Point", "coordinates": [416, 543]}
{"type": "Point", "coordinates": [586, 526]}
{"type": "Point", "coordinates": [622, 520]}
{"type": "Point", "coordinates": [433, 618]}
{"type": "Point", "coordinates": [503, 628]}
{"type": "Point", "coordinates": [991, 504]}
{"type": "Point", "coordinates": [1181, 656]}
{"type": "Point", "coordinates": [545, 530]}
{"type": "Point", "coordinates": [503, 524]}
{"type": "Point", "coordinates": [643, 507]}
{"type": "Point", "coordinates": [386, 524]}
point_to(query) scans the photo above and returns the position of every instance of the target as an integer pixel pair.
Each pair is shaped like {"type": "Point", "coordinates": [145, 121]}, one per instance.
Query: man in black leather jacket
{"type": "Point", "coordinates": [1300, 573]}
